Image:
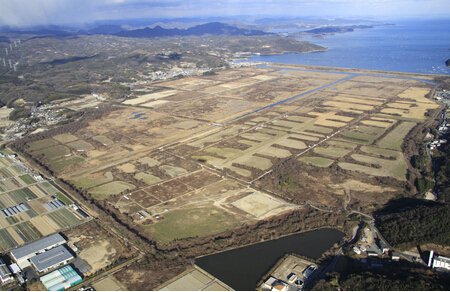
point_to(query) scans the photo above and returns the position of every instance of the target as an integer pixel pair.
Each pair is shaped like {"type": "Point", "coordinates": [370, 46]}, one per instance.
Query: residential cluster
{"type": "Point", "coordinates": [46, 114]}
{"type": "Point", "coordinates": [443, 96]}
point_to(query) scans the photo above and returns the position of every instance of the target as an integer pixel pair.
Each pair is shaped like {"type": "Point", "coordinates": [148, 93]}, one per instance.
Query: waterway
{"type": "Point", "coordinates": [419, 46]}
{"type": "Point", "coordinates": [243, 268]}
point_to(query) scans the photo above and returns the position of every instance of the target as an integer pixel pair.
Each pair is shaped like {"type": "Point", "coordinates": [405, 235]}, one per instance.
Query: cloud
{"type": "Point", "coordinates": [30, 12]}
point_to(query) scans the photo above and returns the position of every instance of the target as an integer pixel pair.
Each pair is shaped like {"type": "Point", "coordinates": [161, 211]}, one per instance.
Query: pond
{"type": "Point", "coordinates": [243, 268]}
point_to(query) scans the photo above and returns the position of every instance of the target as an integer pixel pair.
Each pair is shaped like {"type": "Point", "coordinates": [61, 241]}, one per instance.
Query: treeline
{"type": "Point", "coordinates": [421, 225]}
{"type": "Point", "coordinates": [391, 279]}
{"type": "Point", "coordinates": [443, 174]}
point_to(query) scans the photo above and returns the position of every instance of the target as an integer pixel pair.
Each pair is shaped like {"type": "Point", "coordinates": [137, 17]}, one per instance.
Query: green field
{"type": "Point", "coordinates": [363, 134]}
{"type": "Point", "coordinates": [27, 179]}
{"type": "Point", "coordinates": [22, 195]}
{"type": "Point", "coordinates": [6, 240]}
{"type": "Point", "coordinates": [330, 151]}
{"type": "Point", "coordinates": [86, 183]}
{"type": "Point", "coordinates": [381, 167]}
{"type": "Point", "coordinates": [27, 232]}
{"type": "Point", "coordinates": [317, 161]}
{"type": "Point", "coordinates": [80, 145]}
{"type": "Point", "coordinates": [53, 152]}
{"type": "Point", "coordinates": [5, 162]}
{"type": "Point", "coordinates": [42, 144]}
{"type": "Point", "coordinates": [147, 178]}
{"type": "Point", "coordinates": [192, 222]}
{"type": "Point", "coordinates": [63, 198]}
{"type": "Point", "coordinates": [65, 138]}
{"type": "Point", "coordinates": [112, 188]}
{"type": "Point", "coordinates": [63, 218]}
{"type": "Point", "coordinates": [342, 144]}
{"type": "Point", "coordinates": [58, 165]}
{"type": "Point", "coordinates": [394, 139]}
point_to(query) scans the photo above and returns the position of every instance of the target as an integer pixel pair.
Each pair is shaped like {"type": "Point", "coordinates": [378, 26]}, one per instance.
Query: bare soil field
{"type": "Point", "coordinates": [108, 284]}
{"type": "Point", "coordinates": [96, 246]}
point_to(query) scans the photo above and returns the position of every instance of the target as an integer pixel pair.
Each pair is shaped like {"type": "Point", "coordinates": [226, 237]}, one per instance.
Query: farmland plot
{"type": "Point", "coordinates": [65, 138]}
{"type": "Point", "coordinates": [383, 167]}
{"type": "Point", "coordinates": [111, 188]}
{"type": "Point", "coordinates": [394, 139]}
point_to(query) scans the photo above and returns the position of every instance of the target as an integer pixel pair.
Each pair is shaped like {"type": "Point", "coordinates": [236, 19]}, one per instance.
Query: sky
{"type": "Point", "coordinates": [69, 12]}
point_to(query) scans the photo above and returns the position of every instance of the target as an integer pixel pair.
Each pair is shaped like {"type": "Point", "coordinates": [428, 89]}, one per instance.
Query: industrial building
{"type": "Point", "coordinates": [51, 259]}
{"type": "Point", "coordinates": [22, 254]}
{"type": "Point", "coordinates": [439, 262]}
{"type": "Point", "coordinates": [61, 279]}
{"type": "Point", "coordinates": [5, 274]}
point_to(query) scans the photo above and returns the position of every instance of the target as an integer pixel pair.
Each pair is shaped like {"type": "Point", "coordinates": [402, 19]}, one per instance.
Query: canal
{"type": "Point", "coordinates": [244, 267]}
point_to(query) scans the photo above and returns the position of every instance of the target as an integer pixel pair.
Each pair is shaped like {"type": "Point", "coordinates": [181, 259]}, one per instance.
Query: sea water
{"type": "Point", "coordinates": [420, 46]}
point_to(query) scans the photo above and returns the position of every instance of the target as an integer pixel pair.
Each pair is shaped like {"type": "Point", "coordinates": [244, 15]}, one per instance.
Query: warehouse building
{"type": "Point", "coordinates": [61, 279]}
{"type": "Point", "coordinates": [51, 259]}
{"type": "Point", "coordinates": [22, 254]}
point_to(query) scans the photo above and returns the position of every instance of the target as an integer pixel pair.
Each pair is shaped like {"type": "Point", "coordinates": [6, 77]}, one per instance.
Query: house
{"type": "Point", "coordinates": [395, 256]}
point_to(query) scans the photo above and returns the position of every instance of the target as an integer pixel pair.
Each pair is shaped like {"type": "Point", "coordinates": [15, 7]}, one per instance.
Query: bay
{"type": "Point", "coordinates": [419, 46]}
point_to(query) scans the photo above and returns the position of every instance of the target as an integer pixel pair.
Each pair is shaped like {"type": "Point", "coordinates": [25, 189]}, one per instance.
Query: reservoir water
{"type": "Point", "coordinates": [409, 46]}
{"type": "Point", "coordinates": [244, 267]}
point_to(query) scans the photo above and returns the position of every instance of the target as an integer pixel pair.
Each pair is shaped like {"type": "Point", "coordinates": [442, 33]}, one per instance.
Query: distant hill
{"type": "Point", "coordinates": [214, 28]}
{"type": "Point", "coordinates": [336, 29]}
{"type": "Point", "coordinates": [103, 29]}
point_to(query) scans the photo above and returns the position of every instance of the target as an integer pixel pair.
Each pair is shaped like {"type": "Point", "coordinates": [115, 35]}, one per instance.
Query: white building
{"type": "Point", "coordinates": [439, 262]}
{"type": "Point", "coordinates": [22, 254]}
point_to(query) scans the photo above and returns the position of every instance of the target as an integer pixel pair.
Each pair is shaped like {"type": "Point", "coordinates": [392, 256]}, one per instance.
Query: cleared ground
{"type": "Point", "coordinates": [204, 138]}
{"type": "Point", "coordinates": [257, 204]}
